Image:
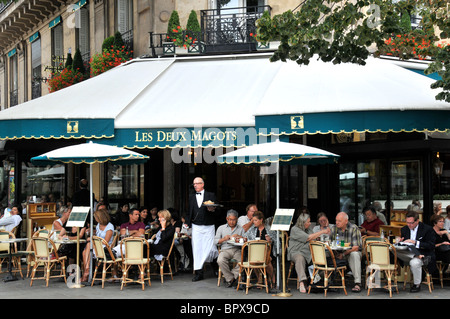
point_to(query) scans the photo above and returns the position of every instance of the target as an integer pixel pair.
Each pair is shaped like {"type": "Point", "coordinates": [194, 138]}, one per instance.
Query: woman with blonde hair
{"type": "Point", "coordinates": [105, 230]}
{"type": "Point", "coordinates": [162, 240]}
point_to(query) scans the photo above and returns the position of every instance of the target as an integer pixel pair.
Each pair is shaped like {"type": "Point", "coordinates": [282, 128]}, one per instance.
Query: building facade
{"type": "Point", "coordinates": [35, 38]}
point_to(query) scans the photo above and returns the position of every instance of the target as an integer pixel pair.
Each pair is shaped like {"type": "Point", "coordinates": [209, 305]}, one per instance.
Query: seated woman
{"type": "Point", "coordinates": [323, 223]}
{"type": "Point", "coordinates": [162, 240]}
{"type": "Point", "coordinates": [298, 249]}
{"type": "Point", "coordinates": [442, 242]}
{"type": "Point", "coordinates": [259, 230]}
{"type": "Point", "coordinates": [105, 230]}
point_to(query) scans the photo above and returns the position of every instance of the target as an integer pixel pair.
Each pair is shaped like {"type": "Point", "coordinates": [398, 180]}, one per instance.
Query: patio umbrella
{"type": "Point", "coordinates": [278, 153]}
{"type": "Point", "coordinates": [89, 153]}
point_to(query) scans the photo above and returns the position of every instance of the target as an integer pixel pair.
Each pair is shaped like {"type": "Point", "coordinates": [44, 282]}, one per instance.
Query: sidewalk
{"type": "Point", "coordinates": [182, 287]}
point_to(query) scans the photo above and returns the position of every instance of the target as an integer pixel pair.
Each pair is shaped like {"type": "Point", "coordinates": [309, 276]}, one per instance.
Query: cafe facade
{"type": "Point", "coordinates": [382, 119]}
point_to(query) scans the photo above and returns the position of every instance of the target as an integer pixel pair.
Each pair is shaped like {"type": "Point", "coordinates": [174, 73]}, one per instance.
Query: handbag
{"type": "Point", "coordinates": [443, 248]}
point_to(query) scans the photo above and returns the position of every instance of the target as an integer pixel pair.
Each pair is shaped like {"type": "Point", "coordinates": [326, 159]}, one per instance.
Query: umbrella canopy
{"type": "Point", "coordinates": [89, 153]}
{"type": "Point", "coordinates": [282, 152]}
{"type": "Point", "coordinates": [278, 152]}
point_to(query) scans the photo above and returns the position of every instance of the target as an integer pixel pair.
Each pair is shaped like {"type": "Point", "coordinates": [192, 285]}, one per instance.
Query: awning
{"type": "Point", "coordinates": [230, 100]}
{"type": "Point", "coordinates": [325, 98]}
{"type": "Point", "coordinates": [198, 102]}
{"type": "Point", "coordinates": [85, 110]}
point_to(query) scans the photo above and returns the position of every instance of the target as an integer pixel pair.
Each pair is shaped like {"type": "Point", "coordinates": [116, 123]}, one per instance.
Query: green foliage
{"type": "Point", "coordinates": [118, 41]}
{"type": "Point", "coordinates": [405, 22]}
{"type": "Point", "coordinates": [78, 64]}
{"type": "Point", "coordinates": [69, 61]}
{"type": "Point", "coordinates": [193, 26]}
{"type": "Point", "coordinates": [343, 31]}
{"type": "Point", "coordinates": [173, 25]}
{"type": "Point", "coordinates": [108, 43]}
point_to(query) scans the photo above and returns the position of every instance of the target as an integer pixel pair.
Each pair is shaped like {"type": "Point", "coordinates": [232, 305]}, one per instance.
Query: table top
{"type": "Point", "coordinates": [232, 242]}
{"type": "Point", "coordinates": [13, 240]}
{"type": "Point", "coordinates": [68, 241]}
{"type": "Point", "coordinates": [334, 247]}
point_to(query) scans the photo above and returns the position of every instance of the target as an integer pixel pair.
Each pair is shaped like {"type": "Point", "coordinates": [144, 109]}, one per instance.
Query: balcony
{"type": "Point", "coordinates": [222, 31]}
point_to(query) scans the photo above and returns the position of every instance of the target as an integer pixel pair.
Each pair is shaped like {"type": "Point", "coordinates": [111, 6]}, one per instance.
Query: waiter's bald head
{"type": "Point", "coordinates": [199, 184]}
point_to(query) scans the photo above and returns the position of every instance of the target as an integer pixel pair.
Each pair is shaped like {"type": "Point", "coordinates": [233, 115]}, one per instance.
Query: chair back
{"type": "Point", "coordinates": [134, 249]}
{"type": "Point", "coordinates": [41, 245]}
{"type": "Point", "coordinates": [5, 235]}
{"type": "Point", "coordinates": [257, 252]}
{"type": "Point", "coordinates": [42, 233]}
{"type": "Point", "coordinates": [318, 253]}
{"type": "Point", "coordinates": [379, 253]}
{"type": "Point", "coordinates": [98, 247]}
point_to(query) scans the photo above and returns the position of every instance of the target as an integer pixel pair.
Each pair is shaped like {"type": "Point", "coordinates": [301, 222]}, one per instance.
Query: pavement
{"type": "Point", "coordinates": [182, 297]}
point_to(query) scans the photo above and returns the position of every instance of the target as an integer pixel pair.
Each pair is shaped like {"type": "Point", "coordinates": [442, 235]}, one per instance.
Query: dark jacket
{"type": "Point", "coordinates": [426, 237]}
{"type": "Point", "coordinates": [163, 246]}
{"type": "Point", "coordinates": [200, 215]}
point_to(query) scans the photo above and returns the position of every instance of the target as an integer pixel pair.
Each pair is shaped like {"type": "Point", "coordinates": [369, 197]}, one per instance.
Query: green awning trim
{"type": "Point", "coordinates": [357, 121]}
{"type": "Point", "coordinates": [183, 137]}
{"type": "Point", "coordinates": [12, 52]}
{"type": "Point", "coordinates": [54, 22]}
{"type": "Point", "coordinates": [56, 128]}
{"type": "Point", "coordinates": [34, 37]}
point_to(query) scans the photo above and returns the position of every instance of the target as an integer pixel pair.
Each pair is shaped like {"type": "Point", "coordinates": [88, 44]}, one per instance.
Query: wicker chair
{"type": "Point", "coordinates": [379, 260]}
{"type": "Point", "coordinates": [163, 261]}
{"type": "Point", "coordinates": [319, 258]}
{"type": "Point", "coordinates": [258, 259]}
{"type": "Point", "coordinates": [132, 251]}
{"type": "Point", "coordinates": [43, 257]}
{"type": "Point", "coordinates": [100, 254]}
{"type": "Point", "coordinates": [5, 253]}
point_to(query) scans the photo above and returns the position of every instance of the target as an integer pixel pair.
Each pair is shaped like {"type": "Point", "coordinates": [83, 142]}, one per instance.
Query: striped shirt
{"type": "Point", "coordinates": [351, 234]}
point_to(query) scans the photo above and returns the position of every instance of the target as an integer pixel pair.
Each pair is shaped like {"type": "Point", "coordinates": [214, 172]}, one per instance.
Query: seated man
{"type": "Point", "coordinates": [135, 228]}
{"type": "Point", "coordinates": [350, 234]}
{"type": "Point", "coordinates": [420, 239]}
{"type": "Point", "coordinates": [225, 232]}
{"type": "Point", "coordinates": [245, 221]}
{"type": "Point", "coordinates": [371, 226]}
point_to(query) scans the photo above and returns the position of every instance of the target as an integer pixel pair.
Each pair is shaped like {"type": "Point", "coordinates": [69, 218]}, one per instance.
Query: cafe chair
{"type": "Point", "coordinates": [48, 260]}
{"type": "Point", "coordinates": [102, 260]}
{"type": "Point", "coordinates": [379, 260]}
{"type": "Point", "coordinates": [163, 261]}
{"type": "Point", "coordinates": [232, 263]}
{"type": "Point", "coordinates": [5, 253]}
{"type": "Point", "coordinates": [257, 259]}
{"type": "Point", "coordinates": [132, 252]}
{"type": "Point", "coordinates": [365, 240]}
{"type": "Point", "coordinates": [441, 266]}
{"type": "Point", "coordinates": [291, 265]}
{"type": "Point", "coordinates": [319, 254]}
{"type": "Point", "coordinates": [428, 278]}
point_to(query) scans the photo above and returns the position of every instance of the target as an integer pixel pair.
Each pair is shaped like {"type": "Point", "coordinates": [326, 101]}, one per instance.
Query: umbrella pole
{"type": "Point", "coordinates": [91, 256]}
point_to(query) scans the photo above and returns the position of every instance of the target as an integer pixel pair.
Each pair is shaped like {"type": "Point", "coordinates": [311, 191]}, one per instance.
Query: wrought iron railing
{"type": "Point", "coordinates": [36, 89]}
{"type": "Point", "coordinates": [13, 98]}
{"type": "Point", "coordinates": [127, 38]}
{"type": "Point", "coordinates": [222, 30]}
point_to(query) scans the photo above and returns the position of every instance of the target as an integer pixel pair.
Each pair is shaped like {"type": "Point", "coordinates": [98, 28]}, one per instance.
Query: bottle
{"type": "Point", "coordinates": [337, 240]}
{"type": "Point", "coordinates": [127, 234]}
{"type": "Point", "coordinates": [382, 235]}
{"type": "Point", "coordinates": [391, 237]}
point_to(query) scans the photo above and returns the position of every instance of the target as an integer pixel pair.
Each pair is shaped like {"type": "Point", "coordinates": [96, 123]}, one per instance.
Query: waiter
{"type": "Point", "coordinates": [201, 219]}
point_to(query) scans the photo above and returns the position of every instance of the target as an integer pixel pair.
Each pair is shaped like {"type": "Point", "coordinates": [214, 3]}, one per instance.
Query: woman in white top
{"type": "Point", "coordinates": [105, 230]}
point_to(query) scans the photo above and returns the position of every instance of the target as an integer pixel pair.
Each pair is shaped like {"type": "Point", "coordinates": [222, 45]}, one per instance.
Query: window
{"type": "Point", "coordinates": [82, 16]}
{"type": "Point", "coordinates": [57, 46]}
{"type": "Point", "coordinates": [14, 81]}
{"type": "Point", "coordinates": [125, 21]}
{"type": "Point", "coordinates": [36, 68]}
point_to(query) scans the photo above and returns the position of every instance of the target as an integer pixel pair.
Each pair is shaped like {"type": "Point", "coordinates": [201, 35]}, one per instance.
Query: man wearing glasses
{"type": "Point", "coordinates": [420, 240]}
{"type": "Point", "coordinates": [201, 219]}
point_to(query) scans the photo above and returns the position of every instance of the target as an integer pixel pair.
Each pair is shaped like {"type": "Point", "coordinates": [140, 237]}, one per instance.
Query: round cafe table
{"type": "Point", "coordinates": [11, 241]}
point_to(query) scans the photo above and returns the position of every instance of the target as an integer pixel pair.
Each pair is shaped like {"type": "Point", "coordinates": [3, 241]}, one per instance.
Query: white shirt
{"type": "Point", "coordinates": [413, 235]}
{"type": "Point", "coordinates": [10, 222]}
{"type": "Point", "coordinates": [200, 197]}
{"type": "Point", "coordinates": [242, 220]}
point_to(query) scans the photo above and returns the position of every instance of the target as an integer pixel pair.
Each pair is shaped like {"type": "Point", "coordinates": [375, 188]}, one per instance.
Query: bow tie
{"type": "Point", "coordinates": [198, 193]}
